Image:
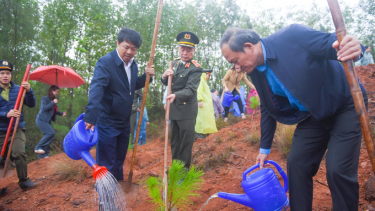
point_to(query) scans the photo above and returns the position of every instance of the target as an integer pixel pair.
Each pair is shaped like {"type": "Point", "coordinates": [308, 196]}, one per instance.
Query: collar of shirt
{"type": "Point", "coordinates": [262, 68]}
{"type": "Point", "coordinates": [129, 63]}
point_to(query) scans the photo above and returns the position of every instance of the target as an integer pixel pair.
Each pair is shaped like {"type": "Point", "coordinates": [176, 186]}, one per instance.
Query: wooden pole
{"type": "Point", "coordinates": [168, 105]}
{"type": "Point", "coordinates": [355, 90]}
{"type": "Point", "coordinates": [25, 78]}
{"type": "Point", "coordinates": [14, 134]}
{"type": "Point", "coordinates": [149, 64]}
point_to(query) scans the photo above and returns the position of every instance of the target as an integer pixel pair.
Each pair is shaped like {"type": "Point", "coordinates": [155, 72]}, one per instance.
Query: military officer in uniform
{"type": "Point", "coordinates": [186, 74]}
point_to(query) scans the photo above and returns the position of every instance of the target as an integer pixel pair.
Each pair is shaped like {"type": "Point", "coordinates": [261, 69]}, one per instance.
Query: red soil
{"type": "Point", "coordinates": [225, 155]}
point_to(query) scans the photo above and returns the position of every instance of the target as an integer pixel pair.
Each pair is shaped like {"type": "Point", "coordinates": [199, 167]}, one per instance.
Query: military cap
{"type": "Point", "coordinates": [188, 39]}
{"type": "Point", "coordinates": [5, 65]}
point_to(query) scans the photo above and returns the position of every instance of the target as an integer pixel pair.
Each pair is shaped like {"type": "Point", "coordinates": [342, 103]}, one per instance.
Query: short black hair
{"type": "Point", "coordinates": [366, 46]}
{"type": "Point", "coordinates": [130, 36]}
{"type": "Point", "coordinates": [213, 90]}
{"type": "Point", "coordinates": [237, 37]}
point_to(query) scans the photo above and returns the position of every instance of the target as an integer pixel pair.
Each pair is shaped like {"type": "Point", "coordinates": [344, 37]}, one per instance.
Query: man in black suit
{"type": "Point", "coordinates": [110, 100]}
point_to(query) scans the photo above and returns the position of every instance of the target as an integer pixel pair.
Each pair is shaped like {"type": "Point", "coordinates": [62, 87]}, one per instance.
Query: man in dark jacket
{"type": "Point", "coordinates": [184, 104]}
{"type": "Point", "coordinates": [111, 98]}
{"type": "Point", "coordinates": [9, 92]}
{"type": "Point", "coordinates": [300, 81]}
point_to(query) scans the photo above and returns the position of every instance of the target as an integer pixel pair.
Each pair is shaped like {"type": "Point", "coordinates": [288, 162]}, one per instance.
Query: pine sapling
{"type": "Point", "coordinates": [182, 186]}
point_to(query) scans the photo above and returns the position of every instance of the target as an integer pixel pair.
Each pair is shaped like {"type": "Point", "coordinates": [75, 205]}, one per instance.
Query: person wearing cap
{"type": "Point", "coordinates": [186, 74]}
{"type": "Point", "coordinates": [111, 98]}
{"type": "Point", "coordinates": [205, 123]}
{"type": "Point", "coordinates": [9, 92]}
{"type": "Point", "coordinates": [218, 107]}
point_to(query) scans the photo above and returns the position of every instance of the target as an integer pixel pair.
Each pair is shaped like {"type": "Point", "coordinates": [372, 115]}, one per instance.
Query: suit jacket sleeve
{"type": "Point", "coordinates": [141, 81]}
{"type": "Point", "coordinates": [164, 81]}
{"type": "Point", "coordinates": [267, 129]}
{"type": "Point", "coordinates": [316, 43]}
{"type": "Point", "coordinates": [59, 113]}
{"type": "Point", "coordinates": [191, 85]}
{"type": "Point", "coordinates": [99, 83]}
{"type": "Point", "coordinates": [30, 100]}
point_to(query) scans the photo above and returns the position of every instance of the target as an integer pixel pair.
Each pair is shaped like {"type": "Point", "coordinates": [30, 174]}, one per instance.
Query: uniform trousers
{"type": "Point", "coordinates": [182, 139]}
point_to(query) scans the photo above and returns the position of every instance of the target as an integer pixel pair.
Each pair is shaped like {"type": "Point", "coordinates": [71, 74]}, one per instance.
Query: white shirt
{"type": "Point", "coordinates": [127, 67]}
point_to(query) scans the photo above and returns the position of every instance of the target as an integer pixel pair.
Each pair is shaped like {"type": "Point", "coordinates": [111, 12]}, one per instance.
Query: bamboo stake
{"type": "Point", "coordinates": [25, 77]}
{"type": "Point", "coordinates": [149, 64]}
{"type": "Point", "coordinates": [14, 135]}
{"type": "Point", "coordinates": [355, 90]}
{"type": "Point", "coordinates": [168, 106]}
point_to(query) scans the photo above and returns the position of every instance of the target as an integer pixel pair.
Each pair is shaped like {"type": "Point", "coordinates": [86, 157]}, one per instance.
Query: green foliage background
{"type": "Point", "coordinates": [76, 33]}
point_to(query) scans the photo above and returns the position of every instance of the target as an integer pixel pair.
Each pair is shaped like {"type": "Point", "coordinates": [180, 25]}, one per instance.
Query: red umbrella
{"type": "Point", "coordinates": [63, 77]}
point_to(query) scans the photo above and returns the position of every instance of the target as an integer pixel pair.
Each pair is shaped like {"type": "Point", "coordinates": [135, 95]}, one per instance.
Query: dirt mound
{"type": "Point", "coordinates": [224, 156]}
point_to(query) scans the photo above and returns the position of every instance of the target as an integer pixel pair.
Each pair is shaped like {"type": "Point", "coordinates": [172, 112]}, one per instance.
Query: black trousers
{"type": "Point", "coordinates": [239, 102]}
{"type": "Point", "coordinates": [182, 140]}
{"type": "Point", "coordinates": [340, 135]}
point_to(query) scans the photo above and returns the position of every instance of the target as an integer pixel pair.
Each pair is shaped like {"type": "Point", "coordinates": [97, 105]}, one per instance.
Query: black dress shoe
{"type": "Point", "coordinates": [27, 184]}
{"type": "Point", "coordinates": [3, 191]}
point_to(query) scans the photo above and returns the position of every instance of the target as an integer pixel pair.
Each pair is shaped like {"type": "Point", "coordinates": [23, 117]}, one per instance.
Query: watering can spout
{"type": "Point", "coordinates": [239, 198]}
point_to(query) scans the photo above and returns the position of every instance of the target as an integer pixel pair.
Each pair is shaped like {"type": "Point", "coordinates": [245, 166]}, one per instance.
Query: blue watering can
{"type": "Point", "coordinates": [263, 191]}
{"type": "Point", "coordinates": [79, 141]}
{"type": "Point", "coordinates": [228, 99]}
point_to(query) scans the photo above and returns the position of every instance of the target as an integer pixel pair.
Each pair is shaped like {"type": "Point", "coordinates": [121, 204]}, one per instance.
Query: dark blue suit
{"type": "Point", "coordinates": [109, 109]}
{"type": "Point", "coordinates": [306, 64]}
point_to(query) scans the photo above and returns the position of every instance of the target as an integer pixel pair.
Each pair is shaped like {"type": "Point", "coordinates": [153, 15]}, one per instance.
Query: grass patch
{"type": "Point", "coordinates": [283, 138]}
{"type": "Point", "coordinates": [217, 159]}
{"type": "Point", "coordinates": [69, 170]}
{"type": "Point", "coordinates": [253, 138]}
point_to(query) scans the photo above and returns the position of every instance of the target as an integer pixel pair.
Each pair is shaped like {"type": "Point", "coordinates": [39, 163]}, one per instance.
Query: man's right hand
{"type": "Point", "coordinates": [260, 159]}
{"type": "Point", "coordinates": [55, 101]}
{"type": "Point", "coordinates": [13, 113]}
{"type": "Point", "coordinates": [88, 126]}
{"type": "Point", "coordinates": [167, 73]}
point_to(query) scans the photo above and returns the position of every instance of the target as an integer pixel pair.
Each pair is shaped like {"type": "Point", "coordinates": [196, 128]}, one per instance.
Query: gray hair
{"type": "Point", "coordinates": [237, 37]}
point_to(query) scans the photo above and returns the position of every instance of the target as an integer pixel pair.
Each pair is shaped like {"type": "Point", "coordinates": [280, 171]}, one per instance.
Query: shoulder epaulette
{"type": "Point", "coordinates": [195, 63]}
{"type": "Point", "coordinates": [176, 59]}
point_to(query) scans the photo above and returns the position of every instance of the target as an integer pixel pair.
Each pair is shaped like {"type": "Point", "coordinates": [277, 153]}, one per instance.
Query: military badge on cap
{"type": "Point", "coordinates": [188, 39]}
{"type": "Point", "coordinates": [5, 65]}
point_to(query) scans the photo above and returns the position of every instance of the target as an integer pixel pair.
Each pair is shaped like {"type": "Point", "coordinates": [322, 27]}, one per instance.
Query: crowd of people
{"type": "Point", "coordinates": [295, 73]}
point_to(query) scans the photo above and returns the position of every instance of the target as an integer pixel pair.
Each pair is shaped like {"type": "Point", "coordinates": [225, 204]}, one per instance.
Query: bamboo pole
{"type": "Point", "coordinates": [149, 64]}
{"type": "Point", "coordinates": [168, 106]}
{"type": "Point", "coordinates": [355, 90]}
{"type": "Point", "coordinates": [25, 77]}
{"type": "Point", "coordinates": [14, 134]}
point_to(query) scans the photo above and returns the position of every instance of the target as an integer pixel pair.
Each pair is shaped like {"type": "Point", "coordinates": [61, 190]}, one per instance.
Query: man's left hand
{"type": "Point", "coordinates": [151, 70]}
{"type": "Point", "coordinates": [64, 114]}
{"type": "Point", "coordinates": [26, 85]}
{"type": "Point", "coordinates": [349, 48]}
{"type": "Point", "coordinates": [171, 98]}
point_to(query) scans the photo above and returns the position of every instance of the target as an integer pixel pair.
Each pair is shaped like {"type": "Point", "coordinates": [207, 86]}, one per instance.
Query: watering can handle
{"type": "Point", "coordinates": [92, 133]}
{"type": "Point", "coordinates": [281, 171]}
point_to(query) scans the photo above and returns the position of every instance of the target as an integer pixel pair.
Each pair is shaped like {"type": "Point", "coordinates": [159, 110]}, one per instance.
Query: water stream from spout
{"type": "Point", "coordinates": [110, 193]}
{"type": "Point", "coordinates": [213, 196]}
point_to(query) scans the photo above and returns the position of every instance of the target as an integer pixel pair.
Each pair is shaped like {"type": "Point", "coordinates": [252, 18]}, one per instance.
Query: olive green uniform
{"type": "Point", "coordinates": [184, 109]}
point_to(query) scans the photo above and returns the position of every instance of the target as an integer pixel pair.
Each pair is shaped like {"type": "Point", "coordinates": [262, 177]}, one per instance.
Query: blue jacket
{"type": "Point", "coordinates": [110, 97]}
{"type": "Point", "coordinates": [46, 110]}
{"type": "Point", "coordinates": [6, 106]}
{"type": "Point", "coordinates": [306, 64]}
